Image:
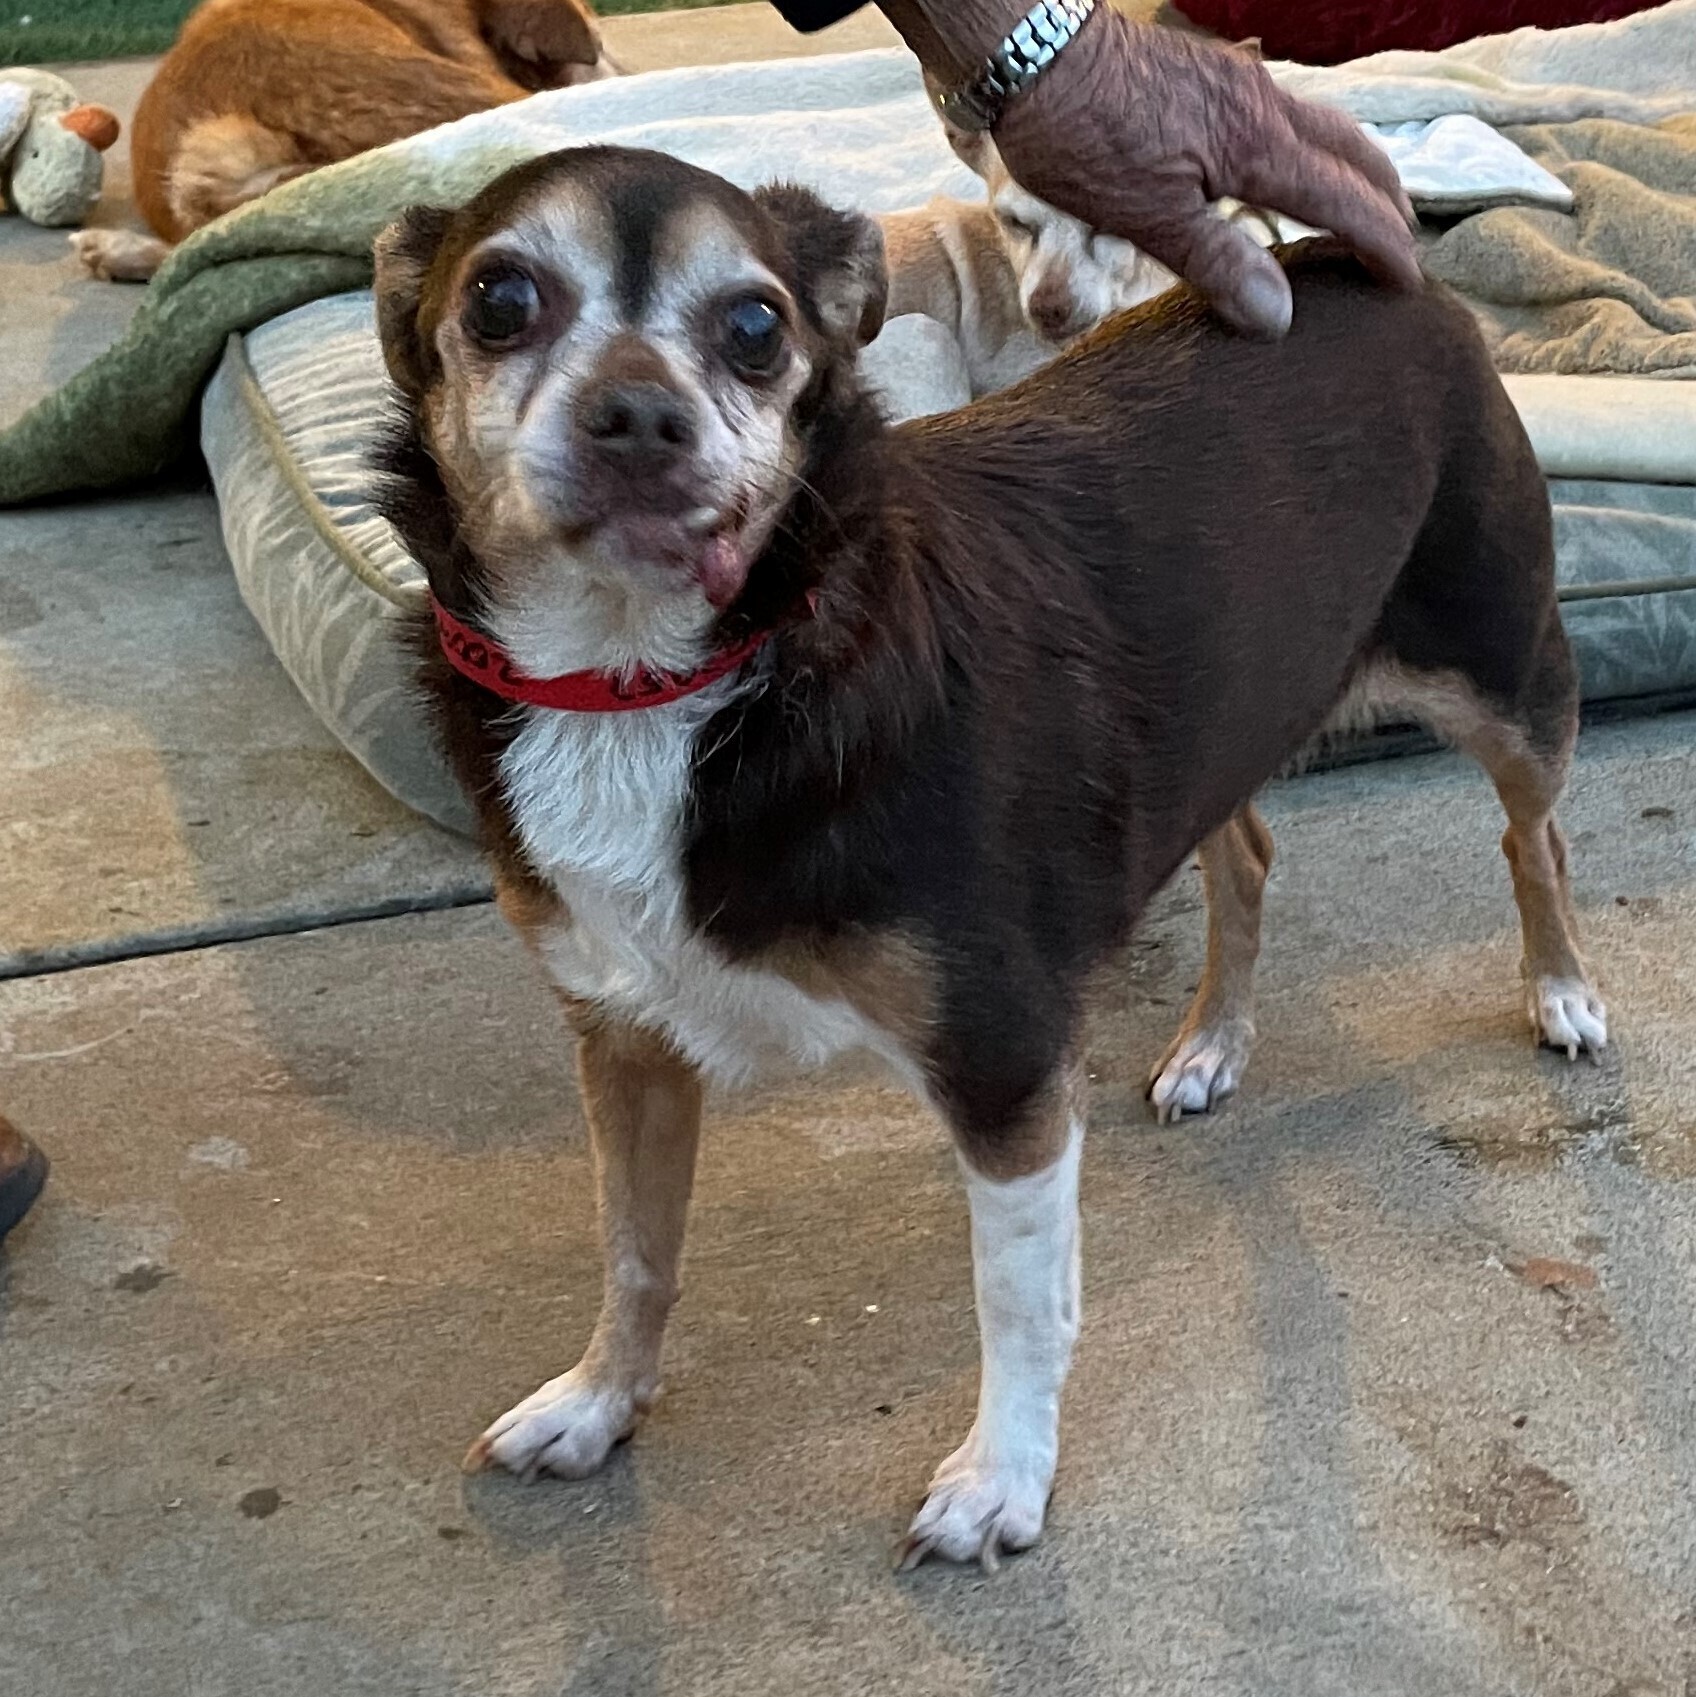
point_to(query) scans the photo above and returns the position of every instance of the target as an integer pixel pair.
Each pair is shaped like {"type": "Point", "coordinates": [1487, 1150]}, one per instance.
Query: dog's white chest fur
{"type": "Point", "coordinates": [598, 799]}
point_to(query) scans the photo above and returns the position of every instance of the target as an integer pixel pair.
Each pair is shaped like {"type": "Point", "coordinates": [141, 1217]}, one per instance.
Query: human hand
{"type": "Point", "coordinates": [1136, 129]}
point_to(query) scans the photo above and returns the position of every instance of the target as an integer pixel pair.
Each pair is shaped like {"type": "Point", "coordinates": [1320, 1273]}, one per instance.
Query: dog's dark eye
{"type": "Point", "coordinates": [753, 334]}
{"type": "Point", "coordinates": [502, 303]}
{"type": "Point", "coordinates": [1016, 227]}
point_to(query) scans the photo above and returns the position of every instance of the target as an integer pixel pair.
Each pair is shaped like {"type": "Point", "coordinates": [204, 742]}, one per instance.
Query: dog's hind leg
{"type": "Point", "coordinates": [224, 162]}
{"type": "Point", "coordinates": [991, 1494]}
{"type": "Point", "coordinates": [1527, 755]}
{"type": "Point", "coordinates": [119, 256]}
{"type": "Point", "coordinates": [1204, 1063]}
{"type": "Point", "coordinates": [1471, 640]}
{"type": "Point", "coordinates": [1529, 773]}
{"type": "Point", "coordinates": [1566, 1012]}
{"type": "Point", "coordinates": [644, 1108]}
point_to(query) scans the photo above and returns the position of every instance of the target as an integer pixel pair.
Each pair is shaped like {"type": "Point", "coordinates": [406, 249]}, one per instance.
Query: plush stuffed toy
{"type": "Point", "coordinates": [50, 147]}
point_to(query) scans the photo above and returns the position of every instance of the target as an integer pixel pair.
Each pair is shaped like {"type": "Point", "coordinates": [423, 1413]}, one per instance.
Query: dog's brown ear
{"type": "Point", "coordinates": [403, 254]}
{"type": "Point", "coordinates": [837, 259]}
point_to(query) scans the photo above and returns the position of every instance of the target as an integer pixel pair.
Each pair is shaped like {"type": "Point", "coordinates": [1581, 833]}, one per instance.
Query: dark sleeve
{"type": "Point", "coordinates": [808, 15]}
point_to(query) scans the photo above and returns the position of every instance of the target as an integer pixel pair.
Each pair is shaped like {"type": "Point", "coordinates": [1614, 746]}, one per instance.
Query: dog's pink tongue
{"type": "Point", "coordinates": [721, 571]}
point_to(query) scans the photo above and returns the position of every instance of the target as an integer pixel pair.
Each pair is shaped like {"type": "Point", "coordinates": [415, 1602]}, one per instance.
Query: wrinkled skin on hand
{"type": "Point", "coordinates": [1136, 128]}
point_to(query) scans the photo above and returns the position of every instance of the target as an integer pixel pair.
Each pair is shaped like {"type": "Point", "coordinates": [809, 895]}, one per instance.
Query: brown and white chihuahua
{"type": "Point", "coordinates": [791, 731]}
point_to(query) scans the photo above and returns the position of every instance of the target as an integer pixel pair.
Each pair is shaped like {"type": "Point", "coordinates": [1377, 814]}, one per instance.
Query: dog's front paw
{"type": "Point", "coordinates": [978, 1506]}
{"type": "Point", "coordinates": [568, 1428]}
{"type": "Point", "coordinates": [1567, 1014]}
{"type": "Point", "coordinates": [1200, 1069]}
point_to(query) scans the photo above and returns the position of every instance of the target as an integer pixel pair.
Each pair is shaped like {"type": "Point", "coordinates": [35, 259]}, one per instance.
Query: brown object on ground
{"type": "Point", "coordinates": [1546, 1273]}
{"type": "Point", "coordinates": [23, 1171]}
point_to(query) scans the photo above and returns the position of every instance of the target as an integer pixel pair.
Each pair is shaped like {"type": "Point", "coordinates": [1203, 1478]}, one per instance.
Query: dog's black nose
{"type": "Point", "coordinates": [637, 422]}
{"type": "Point", "coordinates": [1052, 311]}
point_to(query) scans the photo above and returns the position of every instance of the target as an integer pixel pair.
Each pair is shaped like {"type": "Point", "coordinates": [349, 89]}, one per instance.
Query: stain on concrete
{"type": "Point", "coordinates": [260, 1503]}
{"type": "Point", "coordinates": [145, 1277]}
{"type": "Point", "coordinates": [19, 610]}
{"type": "Point", "coordinates": [1603, 1133]}
{"type": "Point", "coordinates": [222, 1152]}
{"type": "Point", "coordinates": [1545, 1272]}
{"type": "Point", "coordinates": [1515, 1502]}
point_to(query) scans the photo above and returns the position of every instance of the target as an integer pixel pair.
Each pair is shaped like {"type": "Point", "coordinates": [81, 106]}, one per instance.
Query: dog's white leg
{"type": "Point", "coordinates": [991, 1494]}
{"type": "Point", "coordinates": [1204, 1063]}
{"type": "Point", "coordinates": [644, 1106]}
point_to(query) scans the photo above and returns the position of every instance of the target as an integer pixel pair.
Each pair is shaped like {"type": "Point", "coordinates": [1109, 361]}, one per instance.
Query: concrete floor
{"type": "Point", "coordinates": [1385, 1385]}
{"type": "Point", "coordinates": [1340, 1423]}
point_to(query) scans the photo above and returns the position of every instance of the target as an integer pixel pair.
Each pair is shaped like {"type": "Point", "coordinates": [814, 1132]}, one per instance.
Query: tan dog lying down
{"type": "Point", "coordinates": [256, 92]}
{"type": "Point", "coordinates": [1016, 279]}
{"type": "Point", "coordinates": [1014, 284]}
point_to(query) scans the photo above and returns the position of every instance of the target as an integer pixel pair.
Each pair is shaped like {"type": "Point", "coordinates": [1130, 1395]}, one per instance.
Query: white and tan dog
{"type": "Point", "coordinates": [1014, 278]}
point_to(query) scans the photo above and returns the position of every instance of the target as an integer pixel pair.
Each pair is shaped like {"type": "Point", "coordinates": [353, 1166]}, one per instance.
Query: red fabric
{"type": "Point", "coordinates": [1326, 32]}
{"type": "Point", "coordinates": [484, 662]}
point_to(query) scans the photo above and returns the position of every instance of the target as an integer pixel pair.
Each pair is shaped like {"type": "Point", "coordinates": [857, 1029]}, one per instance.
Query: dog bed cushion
{"type": "Point", "coordinates": [291, 416]}
{"type": "Point", "coordinates": [288, 421]}
{"type": "Point", "coordinates": [287, 427]}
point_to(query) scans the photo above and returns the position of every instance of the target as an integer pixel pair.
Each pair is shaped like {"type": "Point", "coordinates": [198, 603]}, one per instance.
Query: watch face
{"type": "Point", "coordinates": [967, 109]}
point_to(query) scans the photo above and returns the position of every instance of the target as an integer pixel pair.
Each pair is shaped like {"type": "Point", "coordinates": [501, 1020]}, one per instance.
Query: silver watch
{"type": "Point", "coordinates": [1028, 49]}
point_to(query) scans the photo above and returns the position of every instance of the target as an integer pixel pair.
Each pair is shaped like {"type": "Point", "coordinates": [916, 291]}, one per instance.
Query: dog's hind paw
{"type": "Point", "coordinates": [119, 256]}
{"type": "Point", "coordinates": [568, 1428]}
{"type": "Point", "coordinates": [1200, 1069]}
{"type": "Point", "coordinates": [977, 1508]}
{"type": "Point", "coordinates": [1567, 1014]}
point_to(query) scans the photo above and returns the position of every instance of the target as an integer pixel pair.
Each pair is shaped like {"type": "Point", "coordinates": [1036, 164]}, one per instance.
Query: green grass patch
{"type": "Point", "coordinates": [42, 32]}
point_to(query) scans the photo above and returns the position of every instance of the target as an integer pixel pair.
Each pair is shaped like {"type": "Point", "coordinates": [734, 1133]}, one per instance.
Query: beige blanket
{"type": "Point", "coordinates": [1638, 69]}
{"type": "Point", "coordinates": [1608, 288]}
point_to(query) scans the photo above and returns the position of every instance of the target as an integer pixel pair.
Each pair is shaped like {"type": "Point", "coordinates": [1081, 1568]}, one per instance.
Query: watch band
{"type": "Point", "coordinates": [1027, 50]}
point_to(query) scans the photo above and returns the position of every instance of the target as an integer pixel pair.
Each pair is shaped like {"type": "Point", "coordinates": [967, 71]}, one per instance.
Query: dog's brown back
{"type": "Point", "coordinates": [1159, 563]}
{"type": "Point", "coordinates": [1254, 525]}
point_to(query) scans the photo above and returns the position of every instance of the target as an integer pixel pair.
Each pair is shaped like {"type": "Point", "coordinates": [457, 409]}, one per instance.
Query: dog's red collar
{"type": "Point", "coordinates": [481, 659]}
